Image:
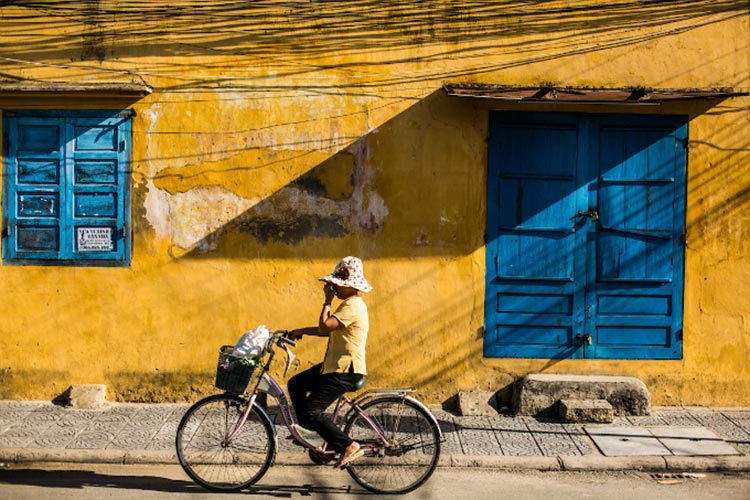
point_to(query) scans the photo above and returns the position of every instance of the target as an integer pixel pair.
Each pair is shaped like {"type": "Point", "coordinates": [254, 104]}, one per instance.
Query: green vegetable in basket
{"type": "Point", "coordinates": [251, 361]}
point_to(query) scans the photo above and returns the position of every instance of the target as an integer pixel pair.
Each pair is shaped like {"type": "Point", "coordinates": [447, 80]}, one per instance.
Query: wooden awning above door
{"type": "Point", "coordinates": [569, 95]}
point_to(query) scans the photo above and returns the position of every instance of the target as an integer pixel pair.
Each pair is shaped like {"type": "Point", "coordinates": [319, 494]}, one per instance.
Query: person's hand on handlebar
{"type": "Point", "coordinates": [295, 334]}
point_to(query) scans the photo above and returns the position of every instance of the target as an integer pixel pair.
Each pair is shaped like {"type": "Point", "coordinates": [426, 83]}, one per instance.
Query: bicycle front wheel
{"type": "Point", "coordinates": [209, 459]}
{"type": "Point", "coordinates": [412, 452]}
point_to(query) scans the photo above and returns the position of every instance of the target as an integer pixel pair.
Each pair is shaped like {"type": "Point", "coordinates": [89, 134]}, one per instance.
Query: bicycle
{"type": "Point", "coordinates": [227, 442]}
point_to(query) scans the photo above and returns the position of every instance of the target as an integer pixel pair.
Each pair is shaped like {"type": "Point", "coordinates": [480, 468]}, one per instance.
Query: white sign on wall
{"type": "Point", "coordinates": [95, 239]}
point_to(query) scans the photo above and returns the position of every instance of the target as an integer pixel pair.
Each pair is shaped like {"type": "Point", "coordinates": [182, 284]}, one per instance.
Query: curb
{"type": "Point", "coordinates": [503, 462]}
{"type": "Point", "coordinates": [649, 463]}
{"type": "Point", "coordinates": [130, 457]}
{"type": "Point", "coordinates": [709, 464]}
{"type": "Point", "coordinates": [588, 463]}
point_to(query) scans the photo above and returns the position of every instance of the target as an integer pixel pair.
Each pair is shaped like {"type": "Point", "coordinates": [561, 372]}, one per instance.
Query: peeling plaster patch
{"type": "Point", "coordinates": [375, 213]}
{"type": "Point", "coordinates": [198, 213]}
{"type": "Point", "coordinates": [368, 208]}
{"type": "Point", "coordinates": [336, 198]}
{"type": "Point", "coordinates": [157, 211]}
{"type": "Point", "coordinates": [361, 208]}
{"type": "Point", "coordinates": [148, 119]}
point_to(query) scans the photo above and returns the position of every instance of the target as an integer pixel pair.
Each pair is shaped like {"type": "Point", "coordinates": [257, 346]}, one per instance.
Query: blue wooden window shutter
{"type": "Point", "coordinates": [66, 196]}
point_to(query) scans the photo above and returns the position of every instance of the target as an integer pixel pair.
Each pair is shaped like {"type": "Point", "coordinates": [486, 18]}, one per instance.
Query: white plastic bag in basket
{"type": "Point", "coordinates": [252, 342]}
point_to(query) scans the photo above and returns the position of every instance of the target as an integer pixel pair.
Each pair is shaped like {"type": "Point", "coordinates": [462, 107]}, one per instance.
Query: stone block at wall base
{"type": "Point", "coordinates": [586, 410]}
{"type": "Point", "coordinates": [84, 396]}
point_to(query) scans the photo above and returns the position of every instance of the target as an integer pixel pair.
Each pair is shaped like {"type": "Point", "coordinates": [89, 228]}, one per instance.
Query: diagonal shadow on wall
{"type": "Point", "coordinates": [413, 186]}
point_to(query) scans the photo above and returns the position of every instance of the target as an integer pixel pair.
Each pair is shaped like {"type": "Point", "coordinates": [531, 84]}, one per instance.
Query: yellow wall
{"type": "Point", "coordinates": [285, 136]}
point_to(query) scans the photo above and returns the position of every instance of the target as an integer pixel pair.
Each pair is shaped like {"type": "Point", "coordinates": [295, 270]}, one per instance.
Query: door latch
{"type": "Point", "coordinates": [592, 214]}
{"type": "Point", "coordinates": [586, 337]}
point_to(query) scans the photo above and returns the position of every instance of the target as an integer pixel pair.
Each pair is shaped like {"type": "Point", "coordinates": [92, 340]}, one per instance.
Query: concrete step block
{"type": "Point", "coordinates": [586, 410]}
{"type": "Point", "coordinates": [538, 394]}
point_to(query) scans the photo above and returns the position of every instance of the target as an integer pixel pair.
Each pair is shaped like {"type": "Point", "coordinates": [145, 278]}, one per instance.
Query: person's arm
{"type": "Point", "coordinates": [326, 322]}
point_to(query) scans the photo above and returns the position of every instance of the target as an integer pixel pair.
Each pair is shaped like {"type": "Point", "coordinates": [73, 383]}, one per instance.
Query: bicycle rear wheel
{"type": "Point", "coordinates": [413, 449]}
{"type": "Point", "coordinates": [209, 460]}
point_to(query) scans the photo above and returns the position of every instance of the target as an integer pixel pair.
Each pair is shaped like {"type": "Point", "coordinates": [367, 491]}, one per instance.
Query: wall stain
{"type": "Point", "coordinates": [149, 387]}
{"type": "Point", "coordinates": [93, 36]}
{"type": "Point", "coordinates": [36, 383]}
{"type": "Point", "coordinates": [293, 231]}
{"type": "Point", "coordinates": [334, 179]}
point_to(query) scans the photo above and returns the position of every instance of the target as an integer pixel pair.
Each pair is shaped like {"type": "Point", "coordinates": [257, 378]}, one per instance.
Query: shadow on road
{"type": "Point", "coordinates": [70, 479]}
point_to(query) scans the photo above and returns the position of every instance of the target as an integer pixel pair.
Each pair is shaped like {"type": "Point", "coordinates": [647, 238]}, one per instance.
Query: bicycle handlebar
{"type": "Point", "coordinates": [286, 340]}
{"type": "Point", "coordinates": [280, 337]}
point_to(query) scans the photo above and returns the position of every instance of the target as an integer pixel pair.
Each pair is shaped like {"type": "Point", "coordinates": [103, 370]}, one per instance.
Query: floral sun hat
{"type": "Point", "coordinates": [349, 272]}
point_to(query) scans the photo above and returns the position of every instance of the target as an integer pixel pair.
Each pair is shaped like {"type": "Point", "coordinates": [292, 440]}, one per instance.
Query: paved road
{"type": "Point", "coordinates": [148, 482]}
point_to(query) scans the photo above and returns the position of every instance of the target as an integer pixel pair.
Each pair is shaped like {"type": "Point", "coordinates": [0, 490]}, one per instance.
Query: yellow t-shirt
{"type": "Point", "coordinates": [346, 344]}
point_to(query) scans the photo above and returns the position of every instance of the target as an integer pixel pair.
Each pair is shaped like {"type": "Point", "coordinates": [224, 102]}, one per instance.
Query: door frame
{"type": "Point", "coordinates": [588, 129]}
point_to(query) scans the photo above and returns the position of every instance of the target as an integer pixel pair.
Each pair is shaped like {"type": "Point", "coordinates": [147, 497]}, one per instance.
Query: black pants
{"type": "Point", "coordinates": [323, 389]}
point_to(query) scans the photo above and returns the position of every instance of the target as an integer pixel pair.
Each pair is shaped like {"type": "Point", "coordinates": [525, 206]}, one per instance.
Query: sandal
{"type": "Point", "coordinates": [350, 455]}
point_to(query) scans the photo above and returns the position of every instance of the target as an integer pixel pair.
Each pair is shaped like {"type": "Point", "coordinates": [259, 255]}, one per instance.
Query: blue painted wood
{"type": "Point", "coordinates": [37, 237]}
{"type": "Point", "coordinates": [96, 205]}
{"type": "Point", "coordinates": [38, 137]}
{"type": "Point", "coordinates": [67, 194]}
{"type": "Point", "coordinates": [638, 242]}
{"type": "Point", "coordinates": [37, 171]}
{"type": "Point", "coordinates": [554, 276]}
{"type": "Point", "coordinates": [37, 204]}
{"type": "Point", "coordinates": [33, 167]}
{"type": "Point", "coordinates": [95, 171]}
{"type": "Point", "coordinates": [533, 308]}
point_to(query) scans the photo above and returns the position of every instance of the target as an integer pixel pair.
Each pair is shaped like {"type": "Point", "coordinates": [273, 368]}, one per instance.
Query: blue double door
{"type": "Point", "coordinates": [585, 225]}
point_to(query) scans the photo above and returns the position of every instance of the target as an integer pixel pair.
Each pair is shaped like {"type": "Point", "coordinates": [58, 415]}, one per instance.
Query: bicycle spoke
{"type": "Point", "coordinates": [410, 455]}
{"type": "Point", "coordinates": [209, 459]}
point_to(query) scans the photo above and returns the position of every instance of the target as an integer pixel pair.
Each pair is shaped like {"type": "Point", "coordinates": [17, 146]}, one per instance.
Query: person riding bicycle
{"type": "Point", "coordinates": [343, 366]}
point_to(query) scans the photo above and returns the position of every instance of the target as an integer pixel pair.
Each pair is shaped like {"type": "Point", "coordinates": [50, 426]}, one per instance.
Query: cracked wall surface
{"type": "Point", "coordinates": [281, 136]}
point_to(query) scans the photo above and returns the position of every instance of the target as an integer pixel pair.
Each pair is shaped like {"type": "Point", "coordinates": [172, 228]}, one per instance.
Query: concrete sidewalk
{"type": "Point", "coordinates": [673, 439]}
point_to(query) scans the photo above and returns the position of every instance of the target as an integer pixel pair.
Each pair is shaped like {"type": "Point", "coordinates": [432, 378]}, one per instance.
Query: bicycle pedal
{"type": "Point", "coordinates": [295, 441]}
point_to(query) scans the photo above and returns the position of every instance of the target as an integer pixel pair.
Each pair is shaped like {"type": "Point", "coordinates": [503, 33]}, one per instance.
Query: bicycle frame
{"type": "Point", "coordinates": [266, 383]}
{"type": "Point", "coordinates": [269, 385]}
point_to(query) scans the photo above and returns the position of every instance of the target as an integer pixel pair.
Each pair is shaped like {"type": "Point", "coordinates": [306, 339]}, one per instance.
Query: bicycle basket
{"type": "Point", "coordinates": [233, 374]}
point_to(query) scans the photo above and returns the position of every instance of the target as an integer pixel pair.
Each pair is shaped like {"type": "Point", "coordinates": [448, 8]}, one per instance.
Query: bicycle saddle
{"type": "Point", "coordinates": [359, 384]}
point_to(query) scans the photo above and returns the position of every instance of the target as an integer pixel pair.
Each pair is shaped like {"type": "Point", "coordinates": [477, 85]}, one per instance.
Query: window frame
{"type": "Point", "coordinates": [71, 218]}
